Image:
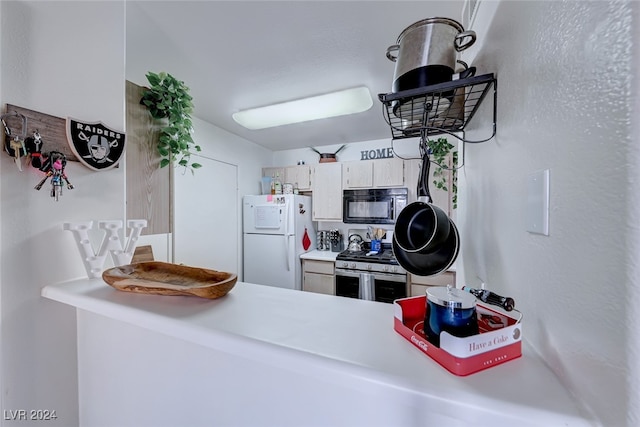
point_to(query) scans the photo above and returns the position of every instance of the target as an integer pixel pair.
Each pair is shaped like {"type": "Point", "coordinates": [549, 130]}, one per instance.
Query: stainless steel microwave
{"type": "Point", "coordinates": [373, 206]}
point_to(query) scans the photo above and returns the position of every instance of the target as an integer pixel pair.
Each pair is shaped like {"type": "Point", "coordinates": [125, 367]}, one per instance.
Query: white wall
{"type": "Point", "coordinates": [564, 103]}
{"type": "Point", "coordinates": [226, 147]}
{"type": "Point", "coordinates": [248, 159]}
{"type": "Point", "coordinates": [63, 59]}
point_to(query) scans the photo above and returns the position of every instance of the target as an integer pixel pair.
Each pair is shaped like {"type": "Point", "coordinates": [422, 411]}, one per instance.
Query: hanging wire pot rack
{"type": "Point", "coordinates": [441, 108]}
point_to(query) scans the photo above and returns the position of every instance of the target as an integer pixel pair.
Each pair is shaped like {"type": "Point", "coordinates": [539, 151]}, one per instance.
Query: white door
{"type": "Point", "coordinates": [206, 219]}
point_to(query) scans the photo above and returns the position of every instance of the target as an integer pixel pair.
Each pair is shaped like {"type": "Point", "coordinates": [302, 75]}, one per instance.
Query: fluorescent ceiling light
{"type": "Point", "coordinates": [349, 101]}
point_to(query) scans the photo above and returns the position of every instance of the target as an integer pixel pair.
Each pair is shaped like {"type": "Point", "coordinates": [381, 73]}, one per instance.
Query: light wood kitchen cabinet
{"type": "Point", "coordinates": [441, 198]}
{"type": "Point", "coordinates": [388, 172]}
{"type": "Point", "coordinates": [300, 175]}
{"type": "Point", "coordinates": [318, 276]}
{"type": "Point", "coordinates": [327, 192]}
{"type": "Point", "coordinates": [418, 285]}
{"type": "Point", "coordinates": [273, 172]}
{"type": "Point", "coordinates": [379, 173]}
{"type": "Point", "coordinates": [357, 174]}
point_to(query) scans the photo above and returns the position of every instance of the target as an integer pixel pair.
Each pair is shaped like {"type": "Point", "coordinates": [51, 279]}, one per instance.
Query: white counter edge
{"type": "Point", "coordinates": [300, 361]}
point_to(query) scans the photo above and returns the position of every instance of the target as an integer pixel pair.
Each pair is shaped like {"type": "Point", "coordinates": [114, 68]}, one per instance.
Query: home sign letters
{"type": "Point", "coordinates": [380, 153]}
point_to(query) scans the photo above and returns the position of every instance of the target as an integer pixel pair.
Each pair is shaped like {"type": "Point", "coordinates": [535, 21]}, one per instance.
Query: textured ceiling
{"type": "Point", "coordinates": [236, 55]}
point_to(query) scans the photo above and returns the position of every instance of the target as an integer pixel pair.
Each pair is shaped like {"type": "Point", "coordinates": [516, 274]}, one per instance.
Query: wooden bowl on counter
{"type": "Point", "coordinates": [162, 278]}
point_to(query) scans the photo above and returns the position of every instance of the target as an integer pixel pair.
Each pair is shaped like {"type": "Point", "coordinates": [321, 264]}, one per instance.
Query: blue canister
{"type": "Point", "coordinates": [452, 310]}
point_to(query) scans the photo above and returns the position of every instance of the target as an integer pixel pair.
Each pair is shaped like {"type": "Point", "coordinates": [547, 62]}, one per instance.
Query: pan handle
{"type": "Point", "coordinates": [390, 50]}
{"type": "Point", "coordinates": [423, 181]}
{"type": "Point", "coordinates": [464, 40]}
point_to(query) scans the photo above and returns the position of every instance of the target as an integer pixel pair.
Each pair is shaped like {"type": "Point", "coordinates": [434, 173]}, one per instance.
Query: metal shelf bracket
{"type": "Point", "coordinates": [441, 108]}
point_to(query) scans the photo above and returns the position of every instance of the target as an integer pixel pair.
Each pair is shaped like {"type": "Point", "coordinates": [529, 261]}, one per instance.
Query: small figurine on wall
{"type": "Point", "coordinates": [54, 167]}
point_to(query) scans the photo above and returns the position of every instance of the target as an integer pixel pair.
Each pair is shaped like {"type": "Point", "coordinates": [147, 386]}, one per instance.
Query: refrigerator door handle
{"type": "Point", "coordinates": [286, 250]}
{"type": "Point", "coordinates": [287, 227]}
{"type": "Point", "coordinates": [286, 233]}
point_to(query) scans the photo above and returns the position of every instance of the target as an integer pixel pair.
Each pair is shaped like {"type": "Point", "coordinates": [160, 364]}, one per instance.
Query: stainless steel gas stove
{"type": "Point", "coordinates": [371, 276]}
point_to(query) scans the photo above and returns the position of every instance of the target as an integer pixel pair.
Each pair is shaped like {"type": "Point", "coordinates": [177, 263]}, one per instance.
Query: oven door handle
{"type": "Point", "coordinates": [367, 290]}
{"type": "Point", "coordinates": [346, 273]}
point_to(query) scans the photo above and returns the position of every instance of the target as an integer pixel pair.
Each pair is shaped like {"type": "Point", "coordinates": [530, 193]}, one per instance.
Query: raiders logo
{"type": "Point", "coordinates": [94, 144]}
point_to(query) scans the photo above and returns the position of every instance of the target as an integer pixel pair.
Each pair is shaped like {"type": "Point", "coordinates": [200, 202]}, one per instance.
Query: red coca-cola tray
{"type": "Point", "coordinates": [499, 339]}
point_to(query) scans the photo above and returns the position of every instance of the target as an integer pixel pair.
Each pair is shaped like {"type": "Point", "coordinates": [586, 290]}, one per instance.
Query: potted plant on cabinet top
{"type": "Point", "coordinates": [168, 97]}
{"type": "Point", "coordinates": [440, 149]}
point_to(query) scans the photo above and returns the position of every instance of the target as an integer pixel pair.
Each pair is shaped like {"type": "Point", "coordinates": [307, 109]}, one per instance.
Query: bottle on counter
{"type": "Point", "coordinates": [273, 184]}
{"type": "Point", "coordinates": [278, 184]}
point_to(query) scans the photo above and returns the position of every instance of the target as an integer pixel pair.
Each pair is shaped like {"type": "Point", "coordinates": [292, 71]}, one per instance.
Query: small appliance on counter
{"type": "Point", "coordinates": [337, 244]}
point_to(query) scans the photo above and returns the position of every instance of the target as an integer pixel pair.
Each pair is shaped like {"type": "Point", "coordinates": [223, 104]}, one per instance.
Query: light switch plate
{"type": "Point", "coordinates": [538, 202]}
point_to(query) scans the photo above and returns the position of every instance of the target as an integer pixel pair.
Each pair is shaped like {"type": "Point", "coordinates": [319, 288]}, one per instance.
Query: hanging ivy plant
{"type": "Point", "coordinates": [168, 97]}
{"type": "Point", "coordinates": [440, 149]}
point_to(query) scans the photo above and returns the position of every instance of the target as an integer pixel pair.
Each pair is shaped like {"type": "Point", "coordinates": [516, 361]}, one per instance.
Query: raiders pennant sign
{"type": "Point", "coordinates": [94, 144]}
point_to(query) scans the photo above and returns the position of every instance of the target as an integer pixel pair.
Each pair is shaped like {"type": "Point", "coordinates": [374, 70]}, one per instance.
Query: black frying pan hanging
{"type": "Point", "coordinates": [431, 263]}
{"type": "Point", "coordinates": [425, 240]}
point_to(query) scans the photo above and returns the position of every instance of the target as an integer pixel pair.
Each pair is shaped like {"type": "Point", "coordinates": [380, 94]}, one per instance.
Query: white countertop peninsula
{"type": "Point", "coordinates": [264, 356]}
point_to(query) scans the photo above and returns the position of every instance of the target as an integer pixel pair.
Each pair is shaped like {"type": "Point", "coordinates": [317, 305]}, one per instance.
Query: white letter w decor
{"type": "Point", "coordinates": [94, 262]}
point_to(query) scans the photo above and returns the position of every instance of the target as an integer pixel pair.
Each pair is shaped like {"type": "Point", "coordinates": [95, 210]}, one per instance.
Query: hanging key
{"type": "Point", "coordinates": [17, 145]}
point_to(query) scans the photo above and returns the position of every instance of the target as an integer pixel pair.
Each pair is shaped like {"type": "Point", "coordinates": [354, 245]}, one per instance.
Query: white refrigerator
{"type": "Point", "coordinates": [276, 230]}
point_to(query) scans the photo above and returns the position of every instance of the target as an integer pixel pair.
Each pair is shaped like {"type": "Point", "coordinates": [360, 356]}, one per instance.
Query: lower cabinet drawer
{"type": "Point", "coordinates": [322, 267]}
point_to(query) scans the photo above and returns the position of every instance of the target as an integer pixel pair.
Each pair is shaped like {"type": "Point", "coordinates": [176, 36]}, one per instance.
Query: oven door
{"type": "Point", "coordinates": [347, 283]}
{"type": "Point", "coordinates": [380, 287]}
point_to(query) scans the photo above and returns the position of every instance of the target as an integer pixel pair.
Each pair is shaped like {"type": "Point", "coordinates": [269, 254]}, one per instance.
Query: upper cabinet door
{"type": "Point", "coordinates": [274, 173]}
{"type": "Point", "coordinates": [357, 174]}
{"type": "Point", "coordinates": [327, 192]}
{"type": "Point", "coordinates": [388, 172]}
{"type": "Point", "coordinates": [379, 173]}
{"type": "Point", "coordinates": [300, 175]}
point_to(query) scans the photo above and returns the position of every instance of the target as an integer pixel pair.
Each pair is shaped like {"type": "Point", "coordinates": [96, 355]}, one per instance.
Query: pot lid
{"type": "Point", "coordinates": [451, 297]}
